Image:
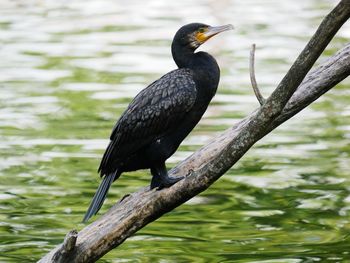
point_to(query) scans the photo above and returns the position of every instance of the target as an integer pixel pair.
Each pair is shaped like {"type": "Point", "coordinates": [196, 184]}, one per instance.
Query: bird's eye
{"type": "Point", "coordinates": [201, 30]}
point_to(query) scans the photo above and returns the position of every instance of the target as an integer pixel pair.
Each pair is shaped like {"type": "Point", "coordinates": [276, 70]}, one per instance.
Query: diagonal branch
{"type": "Point", "coordinates": [307, 58]}
{"type": "Point", "coordinates": [142, 207]}
{"type": "Point", "coordinates": [211, 161]}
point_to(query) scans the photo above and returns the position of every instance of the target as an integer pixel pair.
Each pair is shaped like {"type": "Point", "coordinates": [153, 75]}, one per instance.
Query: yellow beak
{"type": "Point", "coordinates": [212, 31]}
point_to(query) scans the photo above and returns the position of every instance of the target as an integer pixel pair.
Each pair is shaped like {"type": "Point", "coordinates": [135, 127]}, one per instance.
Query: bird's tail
{"type": "Point", "coordinates": [100, 195]}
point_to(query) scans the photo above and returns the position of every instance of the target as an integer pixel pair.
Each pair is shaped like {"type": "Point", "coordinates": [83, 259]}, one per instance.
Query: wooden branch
{"type": "Point", "coordinates": [316, 83]}
{"type": "Point", "coordinates": [307, 58]}
{"type": "Point", "coordinates": [210, 162]}
{"type": "Point", "coordinates": [138, 209]}
{"type": "Point", "coordinates": [257, 93]}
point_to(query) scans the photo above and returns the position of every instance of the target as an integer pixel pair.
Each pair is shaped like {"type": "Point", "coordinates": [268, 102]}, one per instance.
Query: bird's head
{"type": "Point", "coordinates": [195, 34]}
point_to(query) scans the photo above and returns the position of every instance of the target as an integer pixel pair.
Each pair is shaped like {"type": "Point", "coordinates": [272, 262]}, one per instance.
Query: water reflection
{"type": "Point", "coordinates": [68, 70]}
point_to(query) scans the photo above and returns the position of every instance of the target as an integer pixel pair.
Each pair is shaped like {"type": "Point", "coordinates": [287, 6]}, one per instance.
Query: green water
{"type": "Point", "coordinates": [69, 68]}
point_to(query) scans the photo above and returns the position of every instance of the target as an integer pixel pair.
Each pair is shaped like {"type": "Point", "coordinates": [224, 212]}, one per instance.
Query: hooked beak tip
{"type": "Point", "coordinates": [218, 29]}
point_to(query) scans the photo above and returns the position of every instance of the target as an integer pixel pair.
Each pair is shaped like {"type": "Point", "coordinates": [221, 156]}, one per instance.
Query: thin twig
{"type": "Point", "coordinates": [258, 95]}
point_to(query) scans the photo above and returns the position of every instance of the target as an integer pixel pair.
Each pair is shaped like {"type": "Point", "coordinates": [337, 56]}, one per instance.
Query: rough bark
{"type": "Point", "coordinates": [209, 163]}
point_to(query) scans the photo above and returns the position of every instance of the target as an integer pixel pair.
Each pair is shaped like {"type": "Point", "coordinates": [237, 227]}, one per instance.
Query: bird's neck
{"type": "Point", "coordinates": [182, 55]}
{"type": "Point", "coordinates": [205, 67]}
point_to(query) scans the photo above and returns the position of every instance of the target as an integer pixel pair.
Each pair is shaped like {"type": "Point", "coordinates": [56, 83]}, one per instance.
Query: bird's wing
{"type": "Point", "coordinates": [152, 113]}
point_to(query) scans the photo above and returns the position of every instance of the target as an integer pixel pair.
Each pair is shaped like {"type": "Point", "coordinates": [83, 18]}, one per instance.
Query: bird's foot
{"type": "Point", "coordinates": [190, 172]}
{"type": "Point", "coordinates": [164, 182]}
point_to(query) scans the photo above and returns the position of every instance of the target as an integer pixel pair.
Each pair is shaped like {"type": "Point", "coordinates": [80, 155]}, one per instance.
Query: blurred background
{"type": "Point", "coordinates": [69, 68]}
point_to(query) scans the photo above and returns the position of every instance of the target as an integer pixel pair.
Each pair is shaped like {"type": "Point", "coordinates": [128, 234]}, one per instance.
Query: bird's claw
{"type": "Point", "coordinates": [190, 172]}
{"type": "Point", "coordinates": [165, 182]}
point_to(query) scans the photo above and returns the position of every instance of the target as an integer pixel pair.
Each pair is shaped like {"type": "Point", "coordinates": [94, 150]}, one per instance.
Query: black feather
{"type": "Point", "coordinates": [100, 195]}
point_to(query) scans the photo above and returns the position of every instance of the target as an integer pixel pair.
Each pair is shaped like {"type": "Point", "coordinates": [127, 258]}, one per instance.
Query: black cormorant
{"type": "Point", "coordinates": [162, 115]}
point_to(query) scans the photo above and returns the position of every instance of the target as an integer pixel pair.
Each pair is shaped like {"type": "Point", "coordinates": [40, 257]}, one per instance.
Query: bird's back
{"type": "Point", "coordinates": [154, 112]}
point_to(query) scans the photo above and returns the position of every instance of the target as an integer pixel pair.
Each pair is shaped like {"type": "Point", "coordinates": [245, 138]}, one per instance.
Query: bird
{"type": "Point", "coordinates": [160, 117]}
